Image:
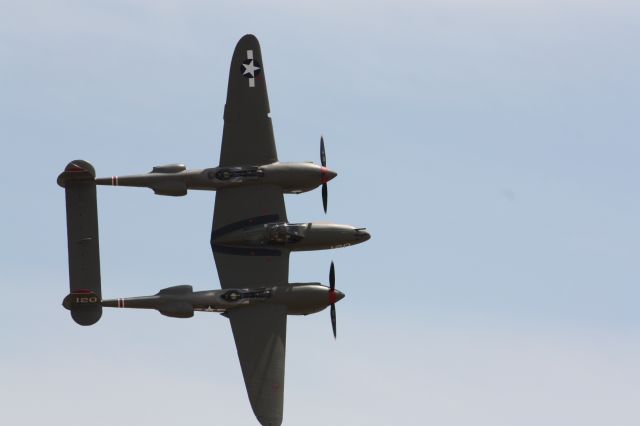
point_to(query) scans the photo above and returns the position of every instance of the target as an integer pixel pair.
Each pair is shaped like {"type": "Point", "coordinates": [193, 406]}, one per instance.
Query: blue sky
{"type": "Point", "coordinates": [491, 148]}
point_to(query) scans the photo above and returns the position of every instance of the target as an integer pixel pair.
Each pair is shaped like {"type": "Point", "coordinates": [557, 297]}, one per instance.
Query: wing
{"type": "Point", "coordinates": [259, 330]}
{"type": "Point", "coordinates": [239, 207]}
{"type": "Point", "coordinates": [247, 137]}
{"type": "Point", "coordinates": [260, 335]}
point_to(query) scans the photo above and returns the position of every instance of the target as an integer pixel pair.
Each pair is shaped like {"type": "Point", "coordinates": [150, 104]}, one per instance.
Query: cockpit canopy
{"type": "Point", "coordinates": [282, 233]}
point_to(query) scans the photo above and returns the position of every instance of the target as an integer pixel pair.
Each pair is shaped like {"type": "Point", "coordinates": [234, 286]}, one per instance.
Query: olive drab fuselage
{"type": "Point", "coordinates": [176, 180]}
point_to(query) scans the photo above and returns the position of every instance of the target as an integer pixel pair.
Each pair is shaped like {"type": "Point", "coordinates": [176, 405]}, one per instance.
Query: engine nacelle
{"type": "Point", "coordinates": [169, 168]}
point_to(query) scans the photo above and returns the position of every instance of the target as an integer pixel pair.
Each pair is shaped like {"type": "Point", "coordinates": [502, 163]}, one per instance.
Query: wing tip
{"type": "Point", "coordinates": [269, 421]}
{"type": "Point", "coordinates": [248, 39]}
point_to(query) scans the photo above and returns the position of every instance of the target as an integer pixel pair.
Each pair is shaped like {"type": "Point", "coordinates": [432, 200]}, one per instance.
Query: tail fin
{"type": "Point", "coordinates": [78, 179]}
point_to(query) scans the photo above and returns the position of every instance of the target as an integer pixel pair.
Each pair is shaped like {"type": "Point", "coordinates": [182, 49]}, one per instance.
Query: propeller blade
{"type": "Point", "coordinates": [323, 157]}
{"type": "Point", "coordinates": [324, 196]}
{"type": "Point", "coordinates": [333, 319]}
{"type": "Point", "coordinates": [332, 277]}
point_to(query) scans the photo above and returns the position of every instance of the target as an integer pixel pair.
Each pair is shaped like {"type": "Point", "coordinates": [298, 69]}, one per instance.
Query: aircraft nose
{"type": "Point", "coordinates": [326, 175]}
{"type": "Point", "coordinates": [335, 296]}
{"type": "Point", "coordinates": [362, 235]}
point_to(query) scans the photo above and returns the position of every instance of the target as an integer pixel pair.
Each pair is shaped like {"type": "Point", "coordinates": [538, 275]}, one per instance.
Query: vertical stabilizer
{"type": "Point", "coordinates": [78, 180]}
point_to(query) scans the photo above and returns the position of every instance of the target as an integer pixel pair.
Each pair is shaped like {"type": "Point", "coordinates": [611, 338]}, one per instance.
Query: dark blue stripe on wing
{"type": "Point", "coordinates": [258, 220]}
{"type": "Point", "coordinates": [241, 251]}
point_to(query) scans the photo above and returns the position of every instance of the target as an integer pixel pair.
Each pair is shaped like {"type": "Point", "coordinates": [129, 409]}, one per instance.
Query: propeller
{"type": "Point", "coordinates": [323, 161]}
{"type": "Point", "coordinates": [332, 297]}
{"type": "Point", "coordinates": [323, 157]}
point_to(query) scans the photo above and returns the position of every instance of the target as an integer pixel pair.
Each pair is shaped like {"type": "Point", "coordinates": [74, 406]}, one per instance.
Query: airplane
{"type": "Point", "coordinates": [251, 237]}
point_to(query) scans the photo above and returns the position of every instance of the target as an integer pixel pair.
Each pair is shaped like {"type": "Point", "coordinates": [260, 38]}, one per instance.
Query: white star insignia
{"type": "Point", "coordinates": [250, 69]}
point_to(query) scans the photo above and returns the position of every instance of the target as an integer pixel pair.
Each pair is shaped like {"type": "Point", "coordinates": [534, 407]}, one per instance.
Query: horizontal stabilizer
{"type": "Point", "coordinates": [78, 179]}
